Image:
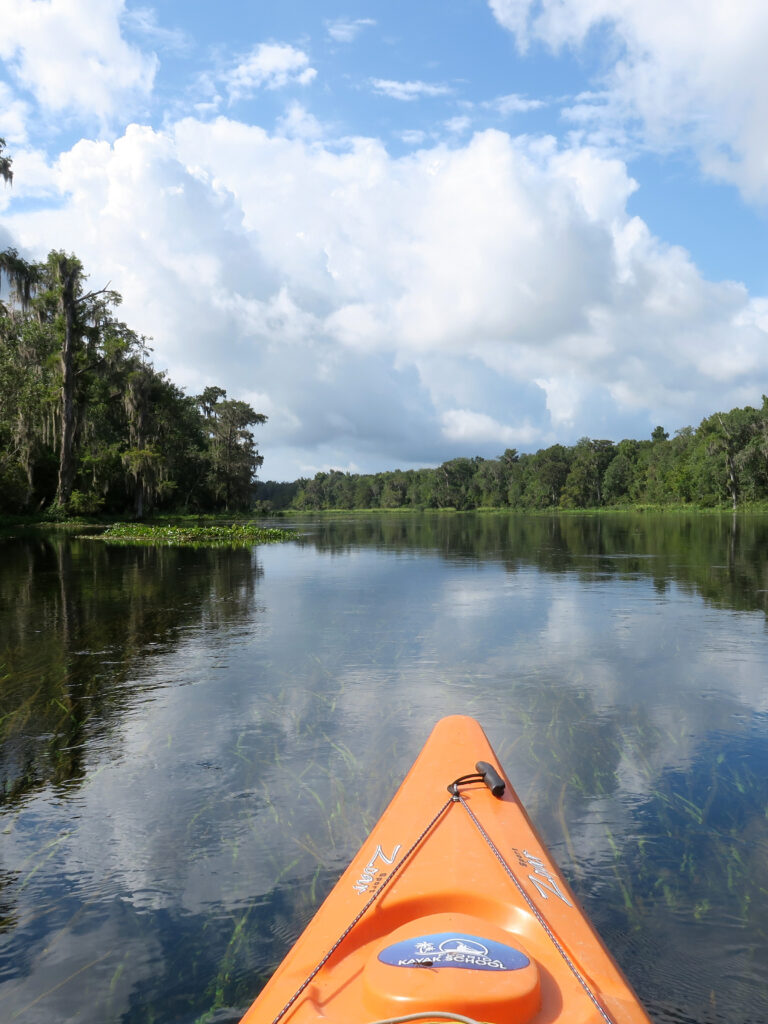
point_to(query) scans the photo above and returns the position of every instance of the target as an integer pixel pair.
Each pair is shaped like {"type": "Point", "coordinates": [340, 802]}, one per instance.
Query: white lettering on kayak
{"type": "Point", "coordinates": [443, 959]}
{"type": "Point", "coordinates": [371, 870]}
{"type": "Point", "coordinates": [543, 879]}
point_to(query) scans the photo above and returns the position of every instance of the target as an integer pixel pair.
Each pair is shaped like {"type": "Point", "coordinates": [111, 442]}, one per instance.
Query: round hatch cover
{"type": "Point", "coordinates": [454, 949]}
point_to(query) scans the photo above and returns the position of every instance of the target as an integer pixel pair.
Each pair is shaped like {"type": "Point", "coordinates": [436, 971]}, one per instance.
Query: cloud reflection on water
{"type": "Point", "coordinates": [266, 713]}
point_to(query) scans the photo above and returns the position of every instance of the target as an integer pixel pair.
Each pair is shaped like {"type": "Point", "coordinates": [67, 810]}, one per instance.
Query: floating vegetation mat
{"type": "Point", "coordinates": [237, 535]}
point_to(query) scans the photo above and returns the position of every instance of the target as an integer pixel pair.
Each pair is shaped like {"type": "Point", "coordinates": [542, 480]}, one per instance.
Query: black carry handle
{"type": "Point", "coordinates": [484, 772]}
{"type": "Point", "coordinates": [491, 778]}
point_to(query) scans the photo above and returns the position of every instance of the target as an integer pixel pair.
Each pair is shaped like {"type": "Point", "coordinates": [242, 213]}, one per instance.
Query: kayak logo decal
{"type": "Point", "coordinates": [543, 879]}
{"type": "Point", "coordinates": [371, 869]}
{"type": "Point", "coordinates": [451, 949]}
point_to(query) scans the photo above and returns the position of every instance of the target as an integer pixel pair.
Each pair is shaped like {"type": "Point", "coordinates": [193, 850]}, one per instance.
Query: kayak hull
{"type": "Point", "coordinates": [452, 905]}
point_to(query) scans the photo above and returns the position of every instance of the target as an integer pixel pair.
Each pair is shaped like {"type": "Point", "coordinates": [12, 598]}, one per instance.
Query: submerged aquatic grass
{"type": "Point", "coordinates": [271, 716]}
{"type": "Point", "coordinates": [235, 535]}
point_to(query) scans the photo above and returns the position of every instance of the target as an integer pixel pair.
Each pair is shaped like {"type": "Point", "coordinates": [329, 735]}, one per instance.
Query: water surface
{"type": "Point", "coordinates": [193, 744]}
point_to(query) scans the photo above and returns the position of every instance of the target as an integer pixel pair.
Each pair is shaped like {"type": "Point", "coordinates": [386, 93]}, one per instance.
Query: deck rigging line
{"type": "Point", "coordinates": [395, 871]}
{"type": "Point", "coordinates": [491, 778]}
{"type": "Point", "coordinates": [458, 798]}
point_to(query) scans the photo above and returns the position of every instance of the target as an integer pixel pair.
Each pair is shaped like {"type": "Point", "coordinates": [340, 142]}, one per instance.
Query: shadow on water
{"type": "Point", "coordinates": [193, 743]}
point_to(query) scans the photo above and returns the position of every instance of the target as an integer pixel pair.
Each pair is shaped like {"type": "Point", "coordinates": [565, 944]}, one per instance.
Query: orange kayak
{"type": "Point", "coordinates": [452, 910]}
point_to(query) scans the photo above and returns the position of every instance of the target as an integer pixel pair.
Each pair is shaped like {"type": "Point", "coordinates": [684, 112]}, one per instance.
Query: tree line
{"type": "Point", "coordinates": [722, 462]}
{"type": "Point", "coordinates": [87, 424]}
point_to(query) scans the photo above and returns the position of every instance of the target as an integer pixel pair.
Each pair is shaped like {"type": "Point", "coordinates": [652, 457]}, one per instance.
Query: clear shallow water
{"type": "Point", "coordinates": [194, 743]}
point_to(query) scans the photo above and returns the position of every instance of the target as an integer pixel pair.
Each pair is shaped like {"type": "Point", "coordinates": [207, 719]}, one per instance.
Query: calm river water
{"type": "Point", "coordinates": [193, 744]}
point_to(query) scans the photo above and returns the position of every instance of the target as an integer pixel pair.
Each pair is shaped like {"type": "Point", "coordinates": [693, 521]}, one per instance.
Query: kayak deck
{"type": "Point", "coordinates": [453, 905]}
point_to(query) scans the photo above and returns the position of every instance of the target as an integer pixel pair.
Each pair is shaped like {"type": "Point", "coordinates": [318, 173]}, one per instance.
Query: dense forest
{"type": "Point", "coordinates": [87, 424]}
{"type": "Point", "coordinates": [723, 462]}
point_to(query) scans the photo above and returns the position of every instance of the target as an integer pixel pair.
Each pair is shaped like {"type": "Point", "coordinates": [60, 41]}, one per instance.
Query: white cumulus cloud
{"type": "Point", "coordinates": [143, 20]}
{"type": "Point", "coordinates": [413, 136]}
{"type": "Point", "coordinates": [458, 125]}
{"type": "Point", "coordinates": [268, 66]}
{"type": "Point", "coordinates": [346, 30]}
{"type": "Point", "coordinates": [71, 56]}
{"type": "Point", "coordinates": [512, 103]}
{"type": "Point", "coordinates": [298, 122]}
{"type": "Point", "coordinates": [479, 428]}
{"type": "Point", "coordinates": [15, 116]}
{"type": "Point", "coordinates": [690, 73]}
{"type": "Point", "coordinates": [408, 91]}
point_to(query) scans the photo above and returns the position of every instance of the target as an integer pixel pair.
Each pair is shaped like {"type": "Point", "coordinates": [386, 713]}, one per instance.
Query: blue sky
{"type": "Point", "coordinates": [409, 231]}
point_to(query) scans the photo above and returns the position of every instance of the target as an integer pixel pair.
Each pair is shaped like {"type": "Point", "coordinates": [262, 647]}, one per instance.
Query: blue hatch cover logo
{"type": "Point", "coordinates": [451, 949]}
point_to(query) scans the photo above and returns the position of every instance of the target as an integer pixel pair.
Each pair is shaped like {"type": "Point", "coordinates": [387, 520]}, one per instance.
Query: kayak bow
{"type": "Point", "coordinates": [452, 910]}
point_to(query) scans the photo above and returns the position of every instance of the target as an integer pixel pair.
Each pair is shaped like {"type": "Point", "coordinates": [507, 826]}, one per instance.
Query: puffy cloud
{"type": "Point", "coordinates": [268, 66]}
{"type": "Point", "coordinates": [413, 136]}
{"type": "Point", "coordinates": [514, 15]}
{"type": "Point", "coordinates": [346, 30]}
{"type": "Point", "coordinates": [33, 176]}
{"type": "Point", "coordinates": [408, 91]}
{"type": "Point", "coordinates": [395, 311]}
{"type": "Point", "coordinates": [692, 73]}
{"type": "Point", "coordinates": [72, 57]}
{"type": "Point", "coordinates": [478, 428]}
{"type": "Point", "coordinates": [512, 103]}
{"type": "Point", "coordinates": [143, 20]}
{"type": "Point", "coordinates": [298, 122]}
{"type": "Point", "coordinates": [458, 125]}
{"type": "Point", "coordinates": [15, 116]}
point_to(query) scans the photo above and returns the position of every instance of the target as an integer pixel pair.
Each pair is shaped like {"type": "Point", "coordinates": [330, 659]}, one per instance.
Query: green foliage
{"type": "Point", "coordinates": [13, 485]}
{"type": "Point", "coordinates": [88, 424]}
{"type": "Point", "coordinates": [618, 478]}
{"type": "Point", "coordinates": [659, 434]}
{"type": "Point", "coordinates": [85, 504]}
{"type": "Point", "coordinates": [583, 485]}
{"type": "Point", "coordinates": [232, 455]}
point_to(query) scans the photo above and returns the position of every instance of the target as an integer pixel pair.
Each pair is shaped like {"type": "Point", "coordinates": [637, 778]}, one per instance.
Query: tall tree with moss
{"type": "Point", "coordinates": [22, 278]}
{"type": "Point", "coordinates": [233, 456]}
{"type": "Point", "coordinates": [25, 377]}
{"type": "Point", "coordinates": [79, 319]}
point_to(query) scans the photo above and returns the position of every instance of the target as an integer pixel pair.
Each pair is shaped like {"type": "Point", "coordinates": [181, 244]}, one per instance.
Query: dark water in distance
{"type": "Point", "coordinates": [193, 744]}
